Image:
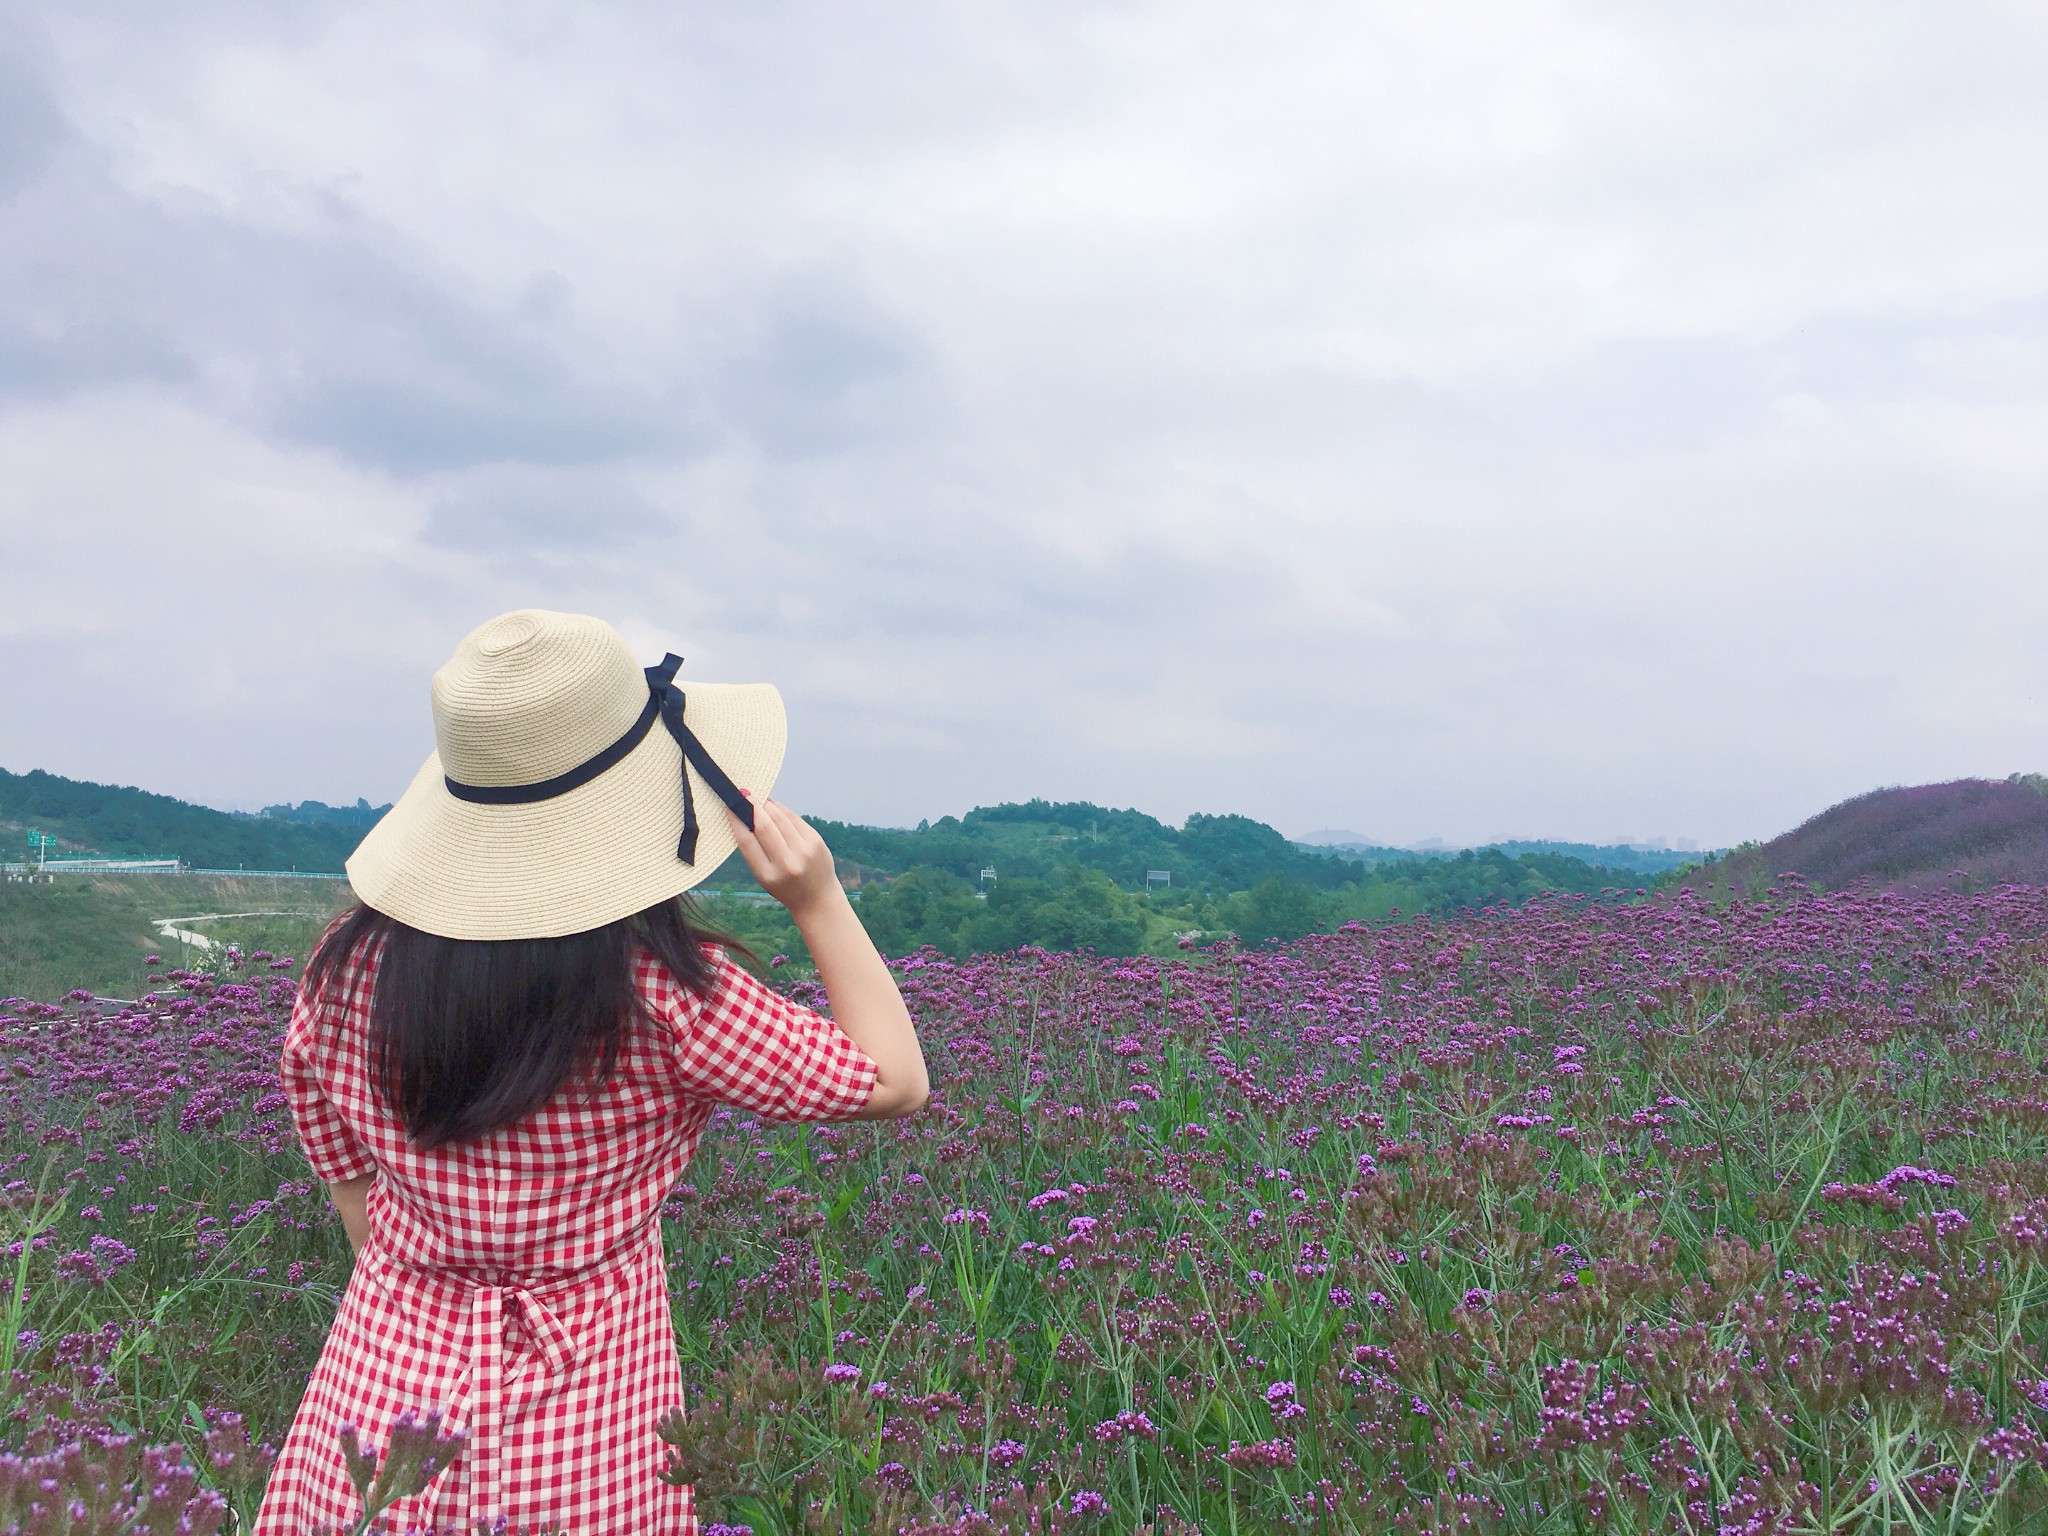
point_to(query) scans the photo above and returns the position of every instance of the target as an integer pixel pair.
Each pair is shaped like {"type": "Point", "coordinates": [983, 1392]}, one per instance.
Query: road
{"type": "Point", "coordinates": [168, 927]}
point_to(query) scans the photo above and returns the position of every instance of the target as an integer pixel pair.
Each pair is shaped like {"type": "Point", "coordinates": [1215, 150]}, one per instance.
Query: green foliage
{"type": "Point", "coordinates": [1619, 857]}
{"type": "Point", "coordinates": [1070, 875]}
{"type": "Point", "coordinates": [1641, 862]}
{"type": "Point", "coordinates": [66, 934]}
{"type": "Point", "coordinates": [362, 815]}
{"type": "Point", "coordinates": [923, 905]}
{"type": "Point", "coordinates": [1074, 906]}
{"type": "Point", "coordinates": [765, 927]}
{"type": "Point", "coordinates": [103, 818]}
{"type": "Point", "coordinates": [93, 931]}
{"type": "Point", "coordinates": [1038, 838]}
{"type": "Point", "coordinates": [1279, 909]}
{"type": "Point", "coordinates": [1475, 879]}
{"type": "Point", "coordinates": [1238, 851]}
{"type": "Point", "coordinates": [1077, 908]}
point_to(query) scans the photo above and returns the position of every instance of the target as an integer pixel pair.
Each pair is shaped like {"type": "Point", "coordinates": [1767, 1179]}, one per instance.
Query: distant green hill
{"type": "Point", "coordinates": [94, 931]}
{"type": "Point", "coordinates": [1073, 874]}
{"type": "Point", "coordinates": [1967, 833]}
{"type": "Point", "coordinates": [104, 818]}
{"type": "Point", "coordinates": [1038, 837]}
{"type": "Point", "coordinates": [1066, 874]}
{"type": "Point", "coordinates": [362, 815]}
{"type": "Point", "coordinates": [1643, 861]}
{"type": "Point", "coordinates": [1033, 839]}
{"type": "Point", "coordinates": [1621, 858]}
{"type": "Point", "coordinates": [1215, 854]}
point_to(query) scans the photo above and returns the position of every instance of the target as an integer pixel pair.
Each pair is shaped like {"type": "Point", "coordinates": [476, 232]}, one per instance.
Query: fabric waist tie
{"type": "Point", "coordinates": [491, 1309]}
{"type": "Point", "coordinates": [493, 1378]}
{"type": "Point", "coordinates": [486, 1399]}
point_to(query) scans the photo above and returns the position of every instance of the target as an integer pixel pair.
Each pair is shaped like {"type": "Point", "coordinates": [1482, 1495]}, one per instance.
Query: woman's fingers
{"type": "Point", "coordinates": [747, 837]}
{"type": "Point", "coordinates": [768, 828]}
{"type": "Point", "coordinates": [793, 826]}
{"type": "Point", "coordinates": [804, 842]}
{"type": "Point", "coordinates": [802, 834]}
{"type": "Point", "coordinates": [759, 862]}
{"type": "Point", "coordinates": [801, 849]}
{"type": "Point", "coordinates": [784, 851]}
{"type": "Point", "coordinates": [789, 824]}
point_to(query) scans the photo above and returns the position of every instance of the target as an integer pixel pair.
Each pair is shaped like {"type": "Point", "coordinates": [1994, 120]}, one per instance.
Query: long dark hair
{"type": "Point", "coordinates": [467, 1035]}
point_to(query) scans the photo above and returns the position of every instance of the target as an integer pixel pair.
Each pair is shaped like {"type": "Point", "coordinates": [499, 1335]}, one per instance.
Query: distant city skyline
{"type": "Point", "coordinates": [1429, 419]}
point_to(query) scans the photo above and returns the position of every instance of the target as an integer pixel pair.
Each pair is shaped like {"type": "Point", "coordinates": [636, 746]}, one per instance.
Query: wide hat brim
{"type": "Point", "coordinates": [579, 860]}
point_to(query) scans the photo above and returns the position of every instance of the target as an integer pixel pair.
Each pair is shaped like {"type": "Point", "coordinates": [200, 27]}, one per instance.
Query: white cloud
{"type": "Point", "coordinates": [1441, 419]}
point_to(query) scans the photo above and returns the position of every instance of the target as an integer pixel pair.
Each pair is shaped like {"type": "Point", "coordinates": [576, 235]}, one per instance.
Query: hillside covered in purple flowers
{"type": "Point", "coordinates": [1723, 1218]}
{"type": "Point", "coordinates": [1968, 833]}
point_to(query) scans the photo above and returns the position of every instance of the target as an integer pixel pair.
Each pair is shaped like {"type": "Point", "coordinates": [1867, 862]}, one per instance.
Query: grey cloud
{"type": "Point", "coordinates": [534, 512]}
{"type": "Point", "coordinates": [31, 126]}
{"type": "Point", "coordinates": [340, 337]}
{"type": "Point", "coordinates": [1874, 356]}
{"type": "Point", "coordinates": [63, 326]}
{"type": "Point", "coordinates": [1667, 392]}
{"type": "Point", "coordinates": [1034, 397]}
{"type": "Point", "coordinates": [332, 337]}
{"type": "Point", "coordinates": [1686, 394]}
{"type": "Point", "coordinates": [361, 353]}
{"type": "Point", "coordinates": [429, 418]}
{"type": "Point", "coordinates": [819, 376]}
{"type": "Point", "coordinates": [40, 360]}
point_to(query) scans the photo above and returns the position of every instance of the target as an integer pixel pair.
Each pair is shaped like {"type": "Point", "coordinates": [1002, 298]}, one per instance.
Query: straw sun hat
{"type": "Point", "coordinates": [572, 787]}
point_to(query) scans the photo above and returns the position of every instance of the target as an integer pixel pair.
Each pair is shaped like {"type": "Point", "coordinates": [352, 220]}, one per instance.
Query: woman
{"type": "Point", "coordinates": [503, 1059]}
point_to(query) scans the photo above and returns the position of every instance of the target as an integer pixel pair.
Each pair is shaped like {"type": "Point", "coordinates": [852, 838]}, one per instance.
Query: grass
{"type": "Point", "coordinates": [93, 931]}
{"type": "Point", "coordinates": [1679, 1216]}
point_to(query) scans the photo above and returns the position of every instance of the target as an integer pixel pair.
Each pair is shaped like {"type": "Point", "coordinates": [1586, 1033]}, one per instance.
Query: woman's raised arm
{"type": "Point", "coordinates": [792, 864]}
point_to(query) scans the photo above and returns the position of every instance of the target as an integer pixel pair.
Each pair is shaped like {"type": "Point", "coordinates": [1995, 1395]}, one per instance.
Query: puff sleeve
{"type": "Point", "coordinates": [332, 1147]}
{"type": "Point", "coordinates": [749, 1046]}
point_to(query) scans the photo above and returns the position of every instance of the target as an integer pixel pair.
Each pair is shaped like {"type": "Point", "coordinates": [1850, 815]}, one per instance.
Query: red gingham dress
{"type": "Point", "coordinates": [518, 1281]}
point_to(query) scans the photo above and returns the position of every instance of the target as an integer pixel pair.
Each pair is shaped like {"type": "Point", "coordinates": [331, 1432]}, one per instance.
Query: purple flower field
{"type": "Point", "coordinates": [1662, 1216]}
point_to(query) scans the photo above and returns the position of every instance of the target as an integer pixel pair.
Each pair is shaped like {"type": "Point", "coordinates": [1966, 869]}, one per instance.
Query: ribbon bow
{"type": "Point", "coordinates": [661, 683]}
{"type": "Point", "coordinates": [665, 700]}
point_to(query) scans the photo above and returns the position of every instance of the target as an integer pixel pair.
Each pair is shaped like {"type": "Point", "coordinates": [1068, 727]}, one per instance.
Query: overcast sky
{"type": "Point", "coordinates": [1456, 419]}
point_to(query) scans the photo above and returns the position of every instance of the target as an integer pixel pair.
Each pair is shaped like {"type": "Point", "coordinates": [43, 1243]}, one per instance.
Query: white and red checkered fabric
{"type": "Point", "coordinates": [518, 1281]}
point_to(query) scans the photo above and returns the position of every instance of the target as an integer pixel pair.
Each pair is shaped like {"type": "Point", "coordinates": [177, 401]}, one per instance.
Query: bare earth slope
{"type": "Point", "coordinates": [1986, 831]}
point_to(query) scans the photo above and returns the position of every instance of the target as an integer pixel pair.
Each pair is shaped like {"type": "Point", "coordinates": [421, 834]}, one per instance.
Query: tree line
{"type": "Point", "coordinates": [1066, 874]}
{"type": "Point", "coordinates": [118, 821]}
{"type": "Point", "coordinates": [1072, 876]}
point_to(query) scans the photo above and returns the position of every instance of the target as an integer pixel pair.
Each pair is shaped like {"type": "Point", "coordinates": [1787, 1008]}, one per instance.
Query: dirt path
{"type": "Point", "coordinates": [167, 926]}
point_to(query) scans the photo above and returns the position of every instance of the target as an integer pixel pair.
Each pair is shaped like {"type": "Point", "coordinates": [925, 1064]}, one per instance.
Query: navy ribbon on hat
{"type": "Point", "coordinates": [665, 702]}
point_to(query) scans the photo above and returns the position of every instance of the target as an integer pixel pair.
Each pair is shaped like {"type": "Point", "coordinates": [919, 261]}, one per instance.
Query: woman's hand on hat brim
{"type": "Point", "coordinates": [791, 861]}
{"type": "Point", "coordinates": [788, 858]}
